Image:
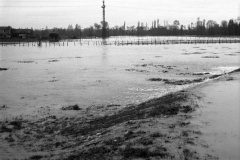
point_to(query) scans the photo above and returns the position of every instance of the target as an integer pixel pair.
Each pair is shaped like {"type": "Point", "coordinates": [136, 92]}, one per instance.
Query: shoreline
{"type": "Point", "coordinates": [158, 128]}
{"type": "Point", "coordinates": [30, 40]}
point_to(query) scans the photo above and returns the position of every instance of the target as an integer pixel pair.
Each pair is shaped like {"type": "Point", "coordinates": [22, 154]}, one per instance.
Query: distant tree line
{"type": "Point", "coordinates": [200, 28]}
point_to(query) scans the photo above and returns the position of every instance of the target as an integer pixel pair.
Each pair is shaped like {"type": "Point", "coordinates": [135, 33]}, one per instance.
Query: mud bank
{"type": "Point", "coordinates": [160, 128]}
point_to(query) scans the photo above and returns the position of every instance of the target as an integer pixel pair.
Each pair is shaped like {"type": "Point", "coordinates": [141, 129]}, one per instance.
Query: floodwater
{"type": "Point", "coordinates": [219, 120]}
{"type": "Point", "coordinates": [54, 76]}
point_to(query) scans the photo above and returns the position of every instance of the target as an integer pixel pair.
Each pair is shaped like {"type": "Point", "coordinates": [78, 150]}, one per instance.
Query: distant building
{"type": "Point", "coordinates": [22, 33]}
{"type": "Point", "coordinates": [165, 23]}
{"type": "Point", "coordinates": [5, 32]}
{"type": "Point", "coordinates": [54, 37]}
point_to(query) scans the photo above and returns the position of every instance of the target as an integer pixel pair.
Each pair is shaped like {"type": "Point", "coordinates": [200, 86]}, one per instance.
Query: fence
{"type": "Point", "coordinates": [124, 42]}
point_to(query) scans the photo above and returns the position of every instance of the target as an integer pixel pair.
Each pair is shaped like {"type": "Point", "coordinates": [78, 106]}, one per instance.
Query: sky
{"type": "Point", "coordinates": [60, 13]}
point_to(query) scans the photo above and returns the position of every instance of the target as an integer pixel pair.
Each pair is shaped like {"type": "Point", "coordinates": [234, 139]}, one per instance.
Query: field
{"type": "Point", "coordinates": [122, 101]}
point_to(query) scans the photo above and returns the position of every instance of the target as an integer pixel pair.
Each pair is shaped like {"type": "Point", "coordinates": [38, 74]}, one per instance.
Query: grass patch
{"type": "Point", "coordinates": [36, 157]}
{"type": "Point", "coordinates": [157, 135]}
{"type": "Point", "coordinates": [210, 57]}
{"type": "Point", "coordinates": [137, 152]}
{"type": "Point", "coordinates": [94, 153]}
{"type": "Point", "coordinates": [165, 105]}
{"type": "Point", "coordinates": [3, 69]}
{"type": "Point", "coordinates": [73, 107]}
{"type": "Point", "coordinates": [177, 82]}
{"type": "Point", "coordinates": [145, 141]}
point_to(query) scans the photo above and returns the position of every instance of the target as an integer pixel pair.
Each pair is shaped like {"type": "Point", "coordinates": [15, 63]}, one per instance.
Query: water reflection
{"type": "Point", "coordinates": [104, 52]}
{"type": "Point", "coordinates": [39, 43]}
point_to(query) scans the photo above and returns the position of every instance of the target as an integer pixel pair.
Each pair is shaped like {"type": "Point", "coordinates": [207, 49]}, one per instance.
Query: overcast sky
{"type": "Point", "coordinates": [59, 13]}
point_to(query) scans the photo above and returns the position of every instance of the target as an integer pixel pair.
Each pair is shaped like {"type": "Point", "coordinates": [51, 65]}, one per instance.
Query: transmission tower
{"type": "Point", "coordinates": [104, 22]}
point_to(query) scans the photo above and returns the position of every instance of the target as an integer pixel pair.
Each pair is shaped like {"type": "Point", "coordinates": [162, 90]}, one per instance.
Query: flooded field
{"type": "Point", "coordinates": [98, 75]}
{"type": "Point", "coordinates": [38, 85]}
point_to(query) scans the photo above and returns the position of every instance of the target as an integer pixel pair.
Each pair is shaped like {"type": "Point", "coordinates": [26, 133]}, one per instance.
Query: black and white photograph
{"type": "Point", "coordinates": [119, 79]}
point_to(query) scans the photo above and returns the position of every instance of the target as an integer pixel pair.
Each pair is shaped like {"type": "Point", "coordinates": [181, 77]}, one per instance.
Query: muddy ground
{"type": "Point", "coordinates": [157, 129]}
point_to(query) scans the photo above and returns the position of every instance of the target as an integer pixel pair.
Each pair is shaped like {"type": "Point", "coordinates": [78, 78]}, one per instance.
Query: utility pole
{"type": "Point", "coordinates": [104, 22]}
